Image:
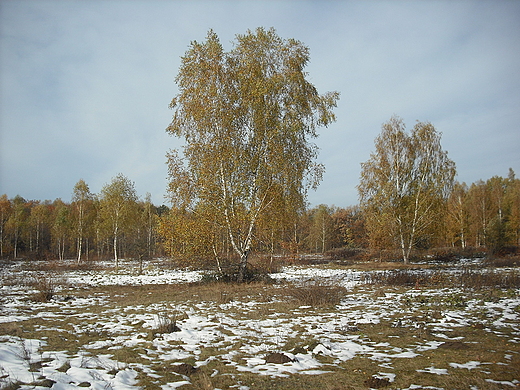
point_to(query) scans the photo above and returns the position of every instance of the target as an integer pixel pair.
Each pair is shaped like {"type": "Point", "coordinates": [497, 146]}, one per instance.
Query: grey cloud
{"type": "Point", "coordinates": [85, 86]}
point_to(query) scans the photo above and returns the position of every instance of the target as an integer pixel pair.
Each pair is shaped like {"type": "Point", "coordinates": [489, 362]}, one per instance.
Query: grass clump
{"type": "Point", "coordinates": [408, 278]}
{"type": "Point", "coordinates": [317, 294]}
{"type": "Point", "coordinates": [46, 287]}
{"type": "Point", "coordinates": [467, 278]}
{"type": "Point", "coordinates": [232, 275]}
{"type": "Point", "coordinates": [165, 324]}
{"type": "Point", "coordinates": [489, 278]}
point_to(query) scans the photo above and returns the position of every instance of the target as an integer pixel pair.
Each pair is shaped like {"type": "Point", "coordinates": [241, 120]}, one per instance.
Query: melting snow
{"type": "Point", "coordinates": [203, 328]}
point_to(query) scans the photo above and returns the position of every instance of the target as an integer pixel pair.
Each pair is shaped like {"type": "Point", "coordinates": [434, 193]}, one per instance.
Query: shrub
{"type": "Point", "coordinates": [165, 324]}
{"type": "Point", "coordinates": [46, 286]}
{"type": "Point", "coordinates": [444, 255]}
{"type": "Point", "coordinates": [266, 264]}
{"type": "Point", "coordinates": [385, 255]}
{"type": "Point", "coordinates": [467, 278]}
{"type": "Point", "coordinates": [317, 294]}
{"type": "Point", "coordinates": [231, 275]}
{"type": "Point", "coordinates": [345, 253]}
{"type": "Point", "coordinates": [410, 278]}
{"type": "Point", "coordinates": [477, 280]}
{"type": "Point", "coordinates": [505, 252]}
{"type": "Point", "coordinates": [452, 254]}
{"type": "Point", "coordinates": [503, 262]}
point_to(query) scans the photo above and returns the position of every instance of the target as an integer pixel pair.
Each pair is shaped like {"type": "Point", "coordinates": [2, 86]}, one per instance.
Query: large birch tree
{"type": "Point", "coordinates": [247, 117]}
{"type": "Point", "coordinates": [405, 183]}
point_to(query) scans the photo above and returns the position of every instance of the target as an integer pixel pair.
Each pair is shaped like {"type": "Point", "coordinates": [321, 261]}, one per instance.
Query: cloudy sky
{"type": "Point", "coordinates": [85, 85]}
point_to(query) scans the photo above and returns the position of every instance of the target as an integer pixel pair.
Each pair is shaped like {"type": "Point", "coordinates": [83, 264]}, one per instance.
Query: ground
{"type": "Point", "coordinates": [326, 327]}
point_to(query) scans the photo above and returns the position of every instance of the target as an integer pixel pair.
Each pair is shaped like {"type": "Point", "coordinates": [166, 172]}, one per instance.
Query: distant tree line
{"type": "Point", "coordinates": [113, 223]}
{"type": "Point", "coordinates": [485, 214]}
{"type": "Point", "coordinates": [117, 224]}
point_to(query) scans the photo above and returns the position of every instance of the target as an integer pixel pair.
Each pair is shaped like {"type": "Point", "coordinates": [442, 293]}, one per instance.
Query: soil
{"type": "Point", "coordinates": [278, 358]}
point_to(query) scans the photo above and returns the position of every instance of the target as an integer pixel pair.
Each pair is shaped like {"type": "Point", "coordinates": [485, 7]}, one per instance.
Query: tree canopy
{"type": "Point", "coordinates": [247, 117]}
{"type": "Point", "coordinates": [118, 207]}
{"type": "Point", "coordinates": [404, 184]}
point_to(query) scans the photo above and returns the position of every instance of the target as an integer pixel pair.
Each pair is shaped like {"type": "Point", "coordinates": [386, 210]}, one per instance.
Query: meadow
{"type": "Point", "coordinates": [327, 326]}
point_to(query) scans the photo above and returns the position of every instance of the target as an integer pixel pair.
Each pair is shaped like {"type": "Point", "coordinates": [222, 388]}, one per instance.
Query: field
{"type": "Point", "coordinates": [310, 327]}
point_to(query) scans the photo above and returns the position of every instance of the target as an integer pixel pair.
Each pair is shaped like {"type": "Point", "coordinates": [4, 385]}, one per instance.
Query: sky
{"type": "Point", "coordinates": [85, 85]}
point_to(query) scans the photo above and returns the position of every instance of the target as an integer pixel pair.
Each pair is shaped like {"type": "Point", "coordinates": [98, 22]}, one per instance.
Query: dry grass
{"type": "Point", "coordinates": [46, 284]}
{"type": "Point", "coordinates": [389, 265]}
{"type": "Point", "coordinates": [316, 294]}
{"type": "Point", "coordinates": [482, 340]}
{"type": "Point", "coordinates": [467, 278]}
{"type": "Point", "coordinates": [165, 324]}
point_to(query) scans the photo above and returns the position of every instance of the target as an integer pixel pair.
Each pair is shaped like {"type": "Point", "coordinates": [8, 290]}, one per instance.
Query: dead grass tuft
{"type": "Point", "coordinates": [408, 277]}
{"type": "Point", "coordinates": [467, 278]}
{"type": "Point", "coordinates": [376, 382]}
{"type": "Point", "coordinates": [317, 294]}
{"type": "Point", "coordinates": [46, 286]}
{"type": "Point", "coordinates": [165, 324]}
{"type": "Point", "coordinates": [184, 369]}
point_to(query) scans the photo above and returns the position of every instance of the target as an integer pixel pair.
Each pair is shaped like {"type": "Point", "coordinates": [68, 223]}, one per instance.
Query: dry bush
{"type": "Point", "coordinates": [407, 277]}
{"type": "Point", "coordinates": [353, 254]}
{"type": "Point", "coordinates": [266, 264]}
{"type": "Point", "coordinates": [231, 275]}
{"type": "Point", "coordinates": [477, 280]}
{"type": "Point", "coordinates": [165, 324]}
{"type": "Point", "coordinates": [449, 254]}
{"type": "Point", "coordinates": [503, 262]}
{"type": "Point", "coordinates": [467, 278]}
{"type": "Point", "coordinates": [46, 286]}
{"type": "Point", "coordinates": [386, 255]}
{"type": "Point", "coordinates": [433, 255]}
{"type": "Point", "coordinates": [317, 294]}
{"type": "Point", "coordinates": [442, 255]}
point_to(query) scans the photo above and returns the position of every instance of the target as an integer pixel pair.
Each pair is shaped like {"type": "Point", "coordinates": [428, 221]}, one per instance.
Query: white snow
{"type": "Point", "coordinates": [469, 365]}
{"type": "Point", "coordinates": [207, 325]}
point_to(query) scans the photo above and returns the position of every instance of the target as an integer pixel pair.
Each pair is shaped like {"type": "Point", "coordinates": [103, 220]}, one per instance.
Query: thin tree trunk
{"type": "Point", "coordinates": [37, 236]}
{"type": "Point", "coordinates": [115, 251]}
{"type": "Point", "coordinates": [15, 244]}
{"type": "Point", "coordinates": [80, 241]}
{"type": "Point", "coordinates": [243, 266]}
{"type": "Point", "coordinates": [323, 235]}
{"type": "Point", "coordinates": [404, 250]}
{"type": "Point", "coordinates": [217, 259]}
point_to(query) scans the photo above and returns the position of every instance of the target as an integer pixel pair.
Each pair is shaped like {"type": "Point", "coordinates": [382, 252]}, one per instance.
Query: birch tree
{"type": "Point", "coordinates": [405, 183]}
{"type": "Point", "coordinates": [61, 227]}
{"type": "Point", "coordinates": [40, 214]}
{"type": "Point", "coordinates": [247, 117]}
{"type": "Point", "coordinates": [321, 228]}
{"type": "Point", "coordinates": [81, 199]}
{"type": "Point", "coordinates": [512, 197]}
{"type": "Point", "coordinates": [149, 222]}
{"type": "Point", "coordinates": [457, 215]}
{"type": "Point", "coordinates": [480, 211]}
{"type": "Point", "coordinates": [118, 208]}
{"type": "Point", "coordinates": [17, 220]}
{"type": "Point", "coordinates": [5, 212]}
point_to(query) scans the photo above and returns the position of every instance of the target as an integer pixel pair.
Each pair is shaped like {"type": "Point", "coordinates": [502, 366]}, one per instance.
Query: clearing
{"type": "Point", "coordinates": [326, 326]}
